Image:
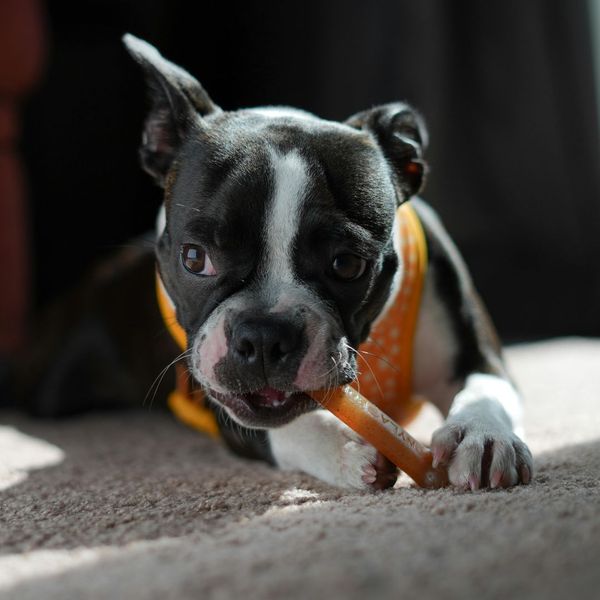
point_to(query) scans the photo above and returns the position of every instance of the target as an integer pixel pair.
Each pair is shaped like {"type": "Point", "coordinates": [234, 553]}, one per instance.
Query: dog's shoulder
{"type": "Point", "coordinates": [452, 288]}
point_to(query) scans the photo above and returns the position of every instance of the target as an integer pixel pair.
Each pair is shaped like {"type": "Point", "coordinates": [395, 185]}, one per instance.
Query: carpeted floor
{"type": "Point", "coordinates": [137, 506]}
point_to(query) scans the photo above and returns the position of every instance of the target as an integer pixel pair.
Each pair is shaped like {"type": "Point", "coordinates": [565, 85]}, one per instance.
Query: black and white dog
{"type": "Point", "coordinates": [276, 247]}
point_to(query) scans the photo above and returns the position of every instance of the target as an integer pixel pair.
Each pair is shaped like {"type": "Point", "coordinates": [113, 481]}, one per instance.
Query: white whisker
{"type": "Point", "coordinates": [361, 354]}
{"type": "Point", "coordinates": [153, 389]}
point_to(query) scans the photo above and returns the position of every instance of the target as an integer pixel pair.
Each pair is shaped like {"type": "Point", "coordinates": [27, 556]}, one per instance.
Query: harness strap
{"type": "Point", "coordinates": [188, 403]}
{"type": "Point", "coordinates": [386, 356]}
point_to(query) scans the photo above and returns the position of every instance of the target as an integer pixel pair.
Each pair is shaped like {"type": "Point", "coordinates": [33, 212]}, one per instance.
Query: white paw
{"type": "Point", "coordinates": [356, 468]}
{"type": "Point", "coordinates": [321, 445]}
{"type": "Point", "coordinates": [481, 453]}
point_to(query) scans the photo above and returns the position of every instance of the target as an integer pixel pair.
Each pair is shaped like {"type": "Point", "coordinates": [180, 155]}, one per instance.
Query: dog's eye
{"type": "Point", "coordinates": [348, 266]}
{"type": "Point", "coordinates": [196, 261]}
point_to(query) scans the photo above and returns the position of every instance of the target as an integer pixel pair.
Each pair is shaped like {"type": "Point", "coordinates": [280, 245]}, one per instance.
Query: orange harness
{"type": "Point", "coordinates": [384, 360]}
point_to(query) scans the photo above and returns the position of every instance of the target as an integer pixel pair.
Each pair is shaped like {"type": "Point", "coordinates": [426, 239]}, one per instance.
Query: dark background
{"type": "Point", "coordinates": [506, 88]}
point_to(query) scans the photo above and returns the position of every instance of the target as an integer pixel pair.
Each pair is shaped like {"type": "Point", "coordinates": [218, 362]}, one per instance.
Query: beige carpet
{"type": "Point", "coordinates": [136, 506]}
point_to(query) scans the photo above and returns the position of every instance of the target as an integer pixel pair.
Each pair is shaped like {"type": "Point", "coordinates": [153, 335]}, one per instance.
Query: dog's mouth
{"type": "Point", "coordinates": [265, 408]}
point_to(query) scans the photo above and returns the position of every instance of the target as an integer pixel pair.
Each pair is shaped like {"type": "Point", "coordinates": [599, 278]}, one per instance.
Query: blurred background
{"type": "Point", "coordinates": [509, 90]}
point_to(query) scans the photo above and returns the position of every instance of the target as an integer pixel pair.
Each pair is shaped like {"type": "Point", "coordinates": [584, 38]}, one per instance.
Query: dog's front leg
{"type": "Point", "coordinates": [319, 444]}
{"type": "Point", "coordinates": [459, 367]}
{"type": "Point", "coordinates": [480, 440]}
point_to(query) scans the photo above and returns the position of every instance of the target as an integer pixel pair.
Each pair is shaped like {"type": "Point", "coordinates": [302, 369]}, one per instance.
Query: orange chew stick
{"type": "Point", "coordinates": [385, 434]}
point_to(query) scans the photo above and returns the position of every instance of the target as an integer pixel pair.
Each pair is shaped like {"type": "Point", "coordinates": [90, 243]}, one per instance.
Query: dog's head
{"type": "Point", "coordinates": [277, 246]}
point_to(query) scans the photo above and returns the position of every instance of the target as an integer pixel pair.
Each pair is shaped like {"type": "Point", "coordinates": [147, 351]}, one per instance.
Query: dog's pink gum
{"type": "Point", "coordinates": [383, 433]}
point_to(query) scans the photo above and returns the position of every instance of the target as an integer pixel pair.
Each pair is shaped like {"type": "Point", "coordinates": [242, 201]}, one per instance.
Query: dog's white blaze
{"type": "Point", "coordinates": [282, 112]}
{"type": "Point", "coordinates": [291, 177]}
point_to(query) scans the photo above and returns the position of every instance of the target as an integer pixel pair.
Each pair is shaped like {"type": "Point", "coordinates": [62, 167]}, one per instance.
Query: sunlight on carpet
{"type": "Point", "coordinates": [21, 453]}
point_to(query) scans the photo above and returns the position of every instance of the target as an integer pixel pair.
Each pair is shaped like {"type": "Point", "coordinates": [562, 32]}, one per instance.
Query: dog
{"type": "Point", "coordinates": [278, 251]}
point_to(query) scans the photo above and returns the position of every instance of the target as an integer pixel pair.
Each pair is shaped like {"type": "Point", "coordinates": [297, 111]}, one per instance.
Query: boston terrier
{"type": "Point", "coordinates": [278, 250]}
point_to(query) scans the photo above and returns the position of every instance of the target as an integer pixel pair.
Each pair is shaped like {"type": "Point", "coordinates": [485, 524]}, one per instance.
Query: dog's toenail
{"type": "Point", "coordinates": [495, 480]}
{"type": "Point", "coordinates": [473, 482]}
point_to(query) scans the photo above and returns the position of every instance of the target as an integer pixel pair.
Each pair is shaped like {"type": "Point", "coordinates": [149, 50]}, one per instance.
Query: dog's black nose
{"type": "Point", "coordinates": [263, 344]}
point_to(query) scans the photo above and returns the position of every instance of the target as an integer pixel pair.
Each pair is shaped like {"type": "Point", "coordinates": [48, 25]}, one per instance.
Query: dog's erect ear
{"type": "Point", "coordinates": [401, 133]}
{"type": "Point", "coordinates": [178, 103]}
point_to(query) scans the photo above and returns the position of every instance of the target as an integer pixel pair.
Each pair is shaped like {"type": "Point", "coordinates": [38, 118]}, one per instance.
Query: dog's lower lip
{"type": "Point", "coordinates": [269, 407]}
{"type": "Point", "coordinates": [268, 397]}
